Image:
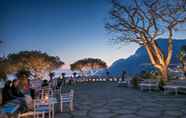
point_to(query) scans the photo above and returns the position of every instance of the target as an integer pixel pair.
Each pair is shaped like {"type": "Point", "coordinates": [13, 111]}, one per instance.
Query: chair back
{"type": "Point", "coordinates": [67, 97]}
{"type": "Point", "coordinates": [46, 92]}
{"type": "Point", "coordinates": [41, 105]}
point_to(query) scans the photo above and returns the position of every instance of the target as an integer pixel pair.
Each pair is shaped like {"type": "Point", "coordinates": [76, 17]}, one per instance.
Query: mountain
{"type": "Point", "coordinates": [140, 61]}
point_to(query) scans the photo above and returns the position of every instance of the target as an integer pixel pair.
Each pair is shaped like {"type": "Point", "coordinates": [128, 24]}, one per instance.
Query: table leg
{"type": "Point", "coordinates": [53, 111]}
{"type": "Point", "coordinates": [165, 91]}
{"type": "Point", "coordinates": [176, 90]}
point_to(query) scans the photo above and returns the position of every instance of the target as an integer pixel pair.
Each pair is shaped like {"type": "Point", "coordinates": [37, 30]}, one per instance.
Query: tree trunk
{"type": "Point", "coordinates": [164, 73]}
{"type": "Point", "coordinates": [157, 60]}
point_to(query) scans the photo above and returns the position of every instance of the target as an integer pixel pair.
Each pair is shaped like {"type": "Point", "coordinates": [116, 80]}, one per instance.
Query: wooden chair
{"type": "Point", "coordinates": [67, 98]}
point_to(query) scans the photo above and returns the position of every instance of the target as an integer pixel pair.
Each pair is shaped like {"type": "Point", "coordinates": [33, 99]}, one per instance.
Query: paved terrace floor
{"type": "Point", "coordinates": [105, 100]}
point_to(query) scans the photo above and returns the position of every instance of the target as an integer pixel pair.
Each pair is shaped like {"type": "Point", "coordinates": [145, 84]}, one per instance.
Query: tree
{"type": "Point", "coordinates": [182, 57]}
{"type": "Point", "coordinates": [88, 64]}
{"type": "Point", "coordinates": [143, 22]}
{"type": "Point", "coordinates": [35, 61]}
{"type": "Point", "coordinates": [4, 65]}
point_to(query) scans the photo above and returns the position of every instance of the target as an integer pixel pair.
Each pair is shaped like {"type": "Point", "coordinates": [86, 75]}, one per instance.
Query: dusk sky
{"type": "Point", "coordinates": [70, 29]}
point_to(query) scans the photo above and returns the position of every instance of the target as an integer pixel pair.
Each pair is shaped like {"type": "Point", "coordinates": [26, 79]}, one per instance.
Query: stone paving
{"type": "Point", "coordinates": [105, 100]}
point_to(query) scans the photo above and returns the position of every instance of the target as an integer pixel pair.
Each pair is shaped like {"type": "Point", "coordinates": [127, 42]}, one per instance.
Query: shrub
{"type": "Point", "coordinates": [135, 81]}
{"type": "Point", "coordinates": [161, 84]}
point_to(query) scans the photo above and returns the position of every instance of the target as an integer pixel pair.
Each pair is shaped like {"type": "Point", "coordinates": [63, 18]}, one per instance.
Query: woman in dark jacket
{"type": "Point", "coordinates": [7, 92]}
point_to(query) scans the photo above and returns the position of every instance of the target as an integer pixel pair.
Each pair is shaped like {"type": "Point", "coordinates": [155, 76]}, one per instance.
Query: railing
{"type": "Point", "coordinates": [93, 79]}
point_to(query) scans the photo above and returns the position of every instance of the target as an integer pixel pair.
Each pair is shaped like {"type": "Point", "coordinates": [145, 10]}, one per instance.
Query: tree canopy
{"type": "Point", "coordinates": [144, 21]}
{"type": "Point", "coordinates": [35, 61]}
{"type": "Point", "coordinates": [2, 68]}
{"type": "Point", "coordinates": [88, 64]}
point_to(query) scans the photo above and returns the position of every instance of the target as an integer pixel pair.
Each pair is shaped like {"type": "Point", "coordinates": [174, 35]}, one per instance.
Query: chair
{"type": "Point", "coordinates": [175, 86]}
{"type": "Point", "coordinates": [46, 92]}
{"type": "Point", "coordinates": [58, 91]}
{"type": "Point", "coordinates": [67, 98]}
{"type": "Point", "coordinates": [11, 107]}
{"type": "Point", "coordinates": [41, 107]}
{"type": "Point", "coordinates": [124, 83]}
{"type": "Point", "coordinates": [150, 84]}
{"type": "Point", "coordinates": [168, 88]}
{"type": "Point", "coordinates": [54, 83]}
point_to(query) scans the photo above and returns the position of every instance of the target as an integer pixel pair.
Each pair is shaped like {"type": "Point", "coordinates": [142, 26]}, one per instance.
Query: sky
{"type": "Point", "coordinates": [70, 29]}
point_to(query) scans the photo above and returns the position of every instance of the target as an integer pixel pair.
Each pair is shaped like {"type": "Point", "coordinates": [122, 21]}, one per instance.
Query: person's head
{"type": "Point", "coordinates": [8, 84]}
{"type": "Point", "coordinates": [16, 82]}
{"type": "Point", "coordinates": [23, 84]}
{"type": "Point", "coordinates": [51, 75]}
{"type": "Point", "coordinates": [45, 82]}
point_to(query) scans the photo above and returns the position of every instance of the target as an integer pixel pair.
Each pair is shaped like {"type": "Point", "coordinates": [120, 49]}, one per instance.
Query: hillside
{"type": "Point", "coordinates": [136, 63]}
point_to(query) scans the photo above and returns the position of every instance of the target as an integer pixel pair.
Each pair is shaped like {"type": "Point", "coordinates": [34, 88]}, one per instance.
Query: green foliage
{"type": "Point", "coordinates": [146, 75]}
{"type": "Point", "coordinates": [88, 63]}
{"type": "Point", "coordinates": [182, 57]}
{"type": "Point", "coordinates": [182, 54]}
{"type": "Point", "coordinates": [151, 75]}
{"type": "Point", "coordinates": [135, 81]}
{"type": "Point", "coordinates": [161, 84]}
{"type": "Point", "coordinates": [35, 61]}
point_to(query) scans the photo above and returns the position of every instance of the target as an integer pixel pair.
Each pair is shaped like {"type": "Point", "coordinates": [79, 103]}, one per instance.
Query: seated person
{"type": "Point", "coordinates": [7, 92]}
{"type": "Point", "coordinates": [15, 89]}
{"type": "Point", "coordinates": [45, 83]}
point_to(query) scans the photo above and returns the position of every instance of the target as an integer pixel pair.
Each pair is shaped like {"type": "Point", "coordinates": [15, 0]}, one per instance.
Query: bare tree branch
{"type": "Point", "coordinates": [143, 21]}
